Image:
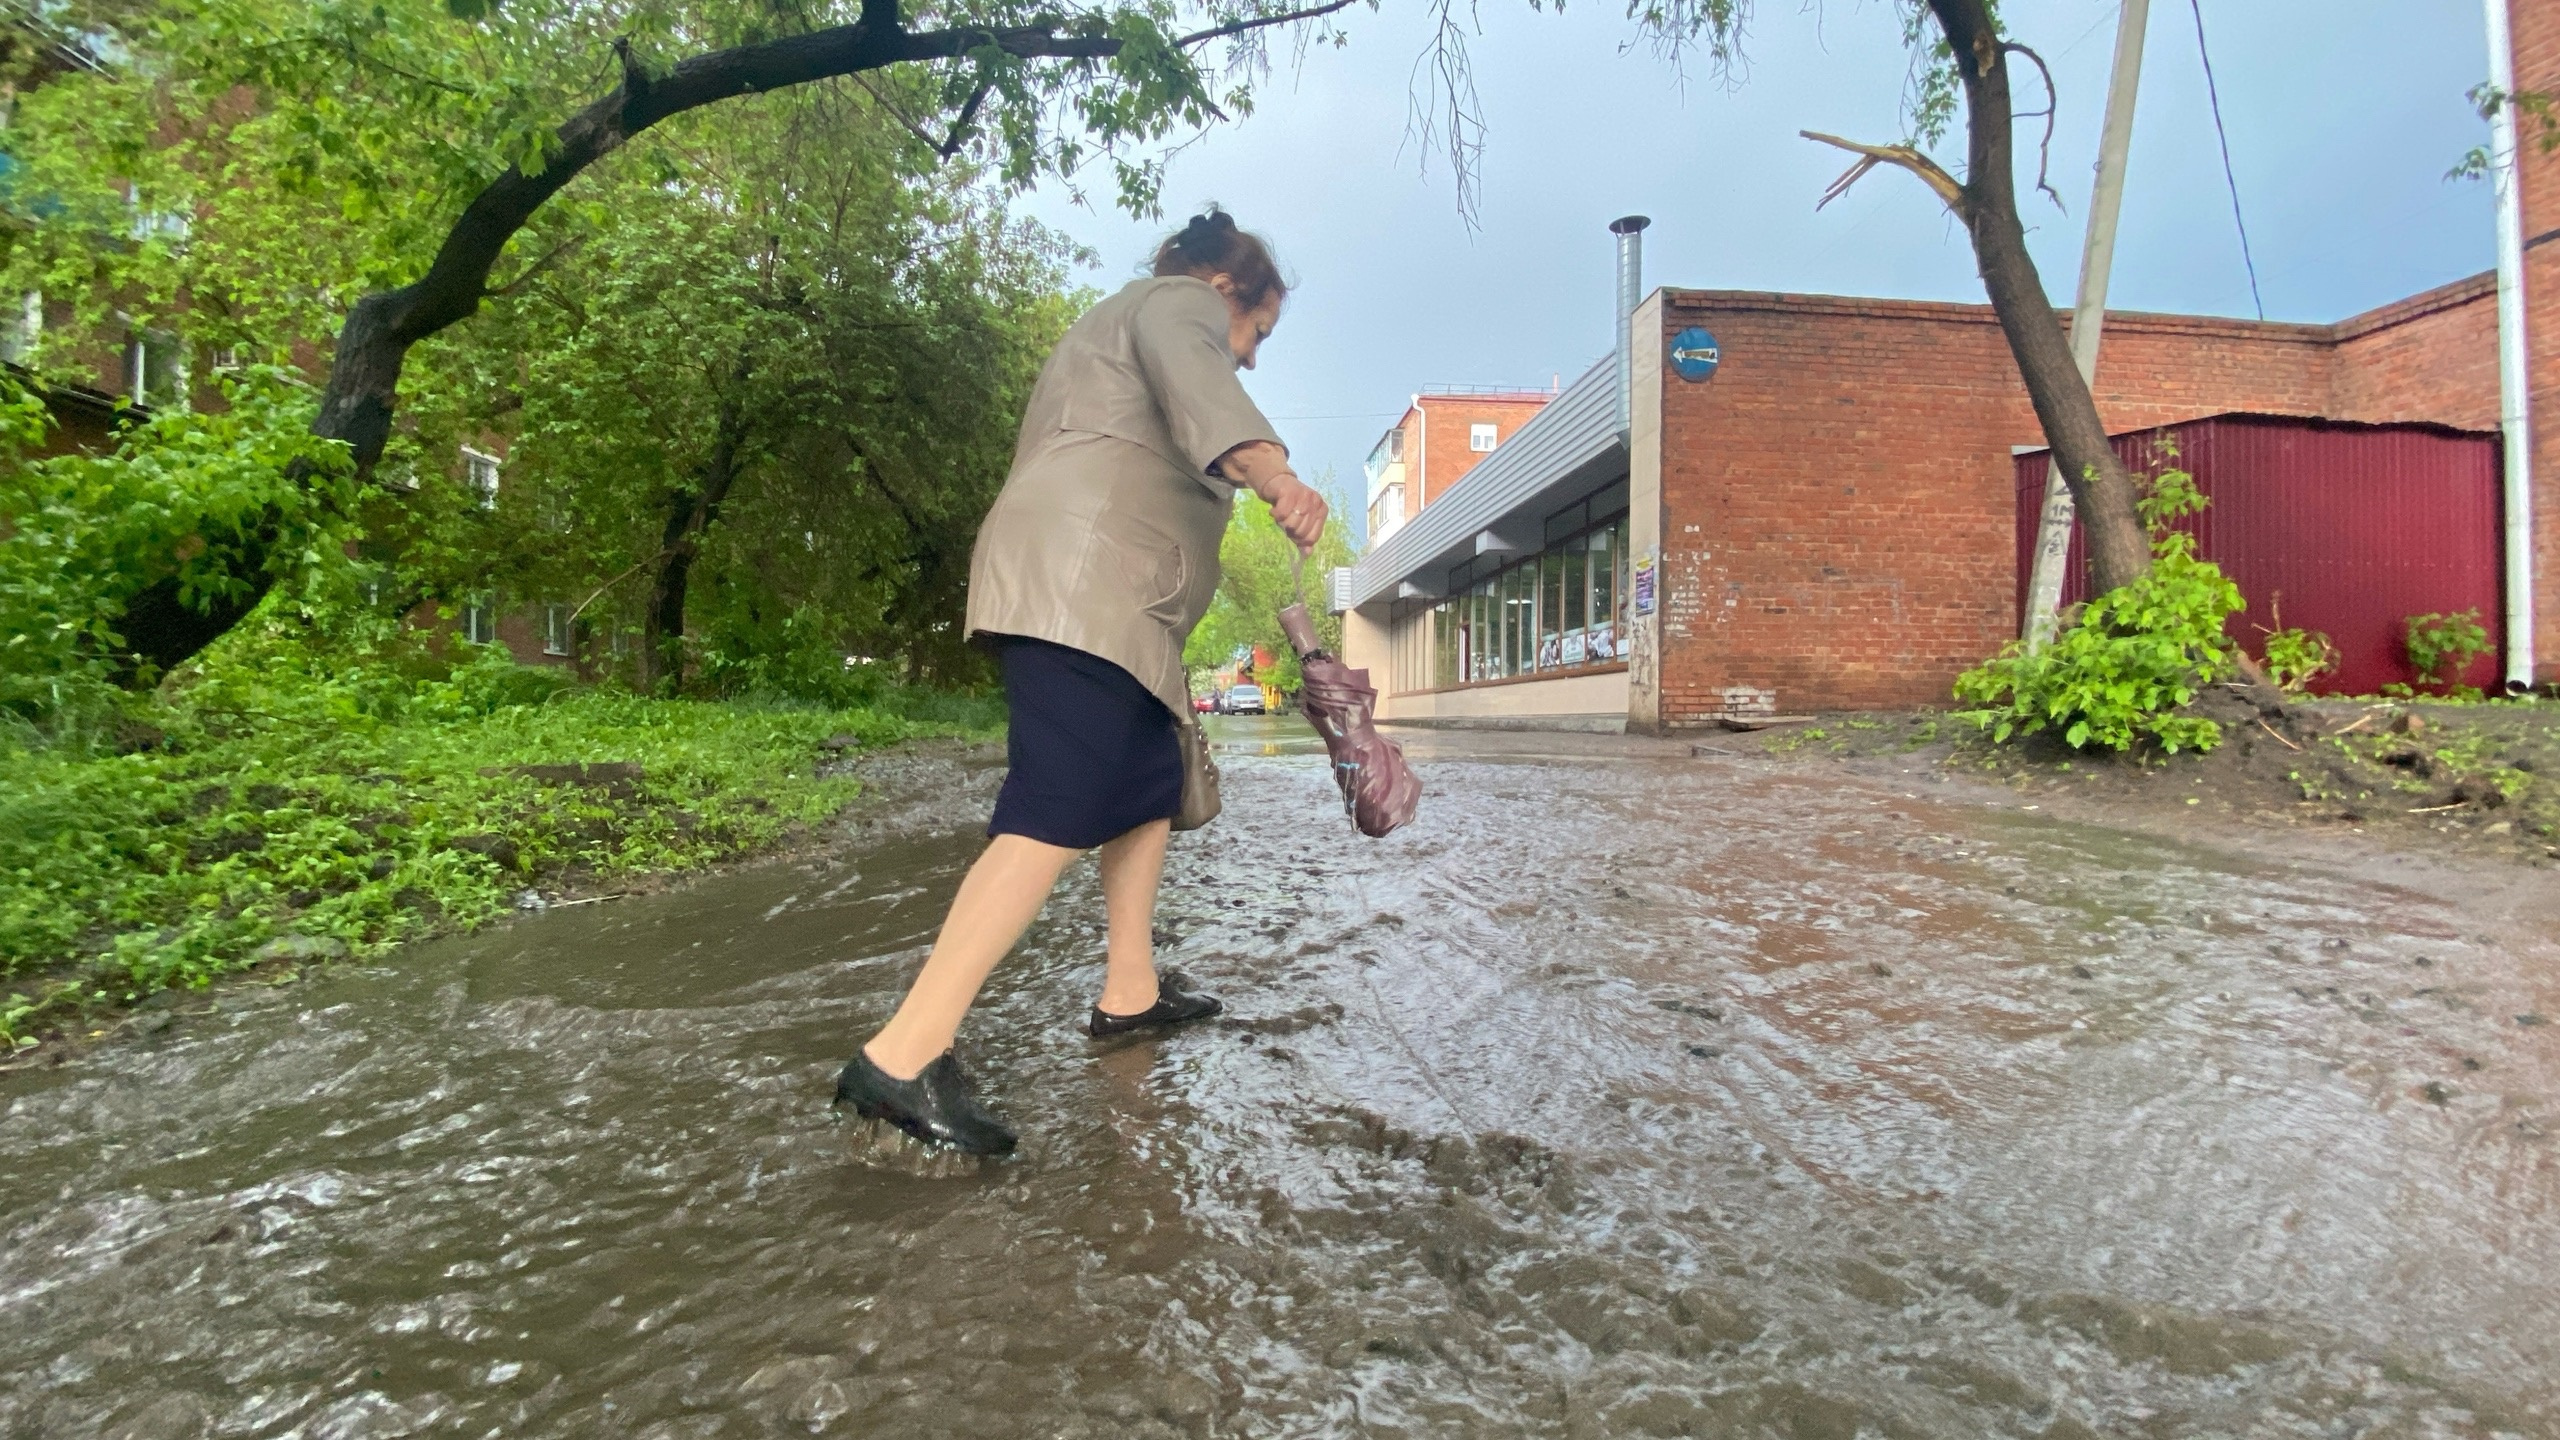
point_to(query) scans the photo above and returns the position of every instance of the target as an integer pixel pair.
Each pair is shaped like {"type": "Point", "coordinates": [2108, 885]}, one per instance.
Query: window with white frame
{"type": "Point", "coordinates": [24, 329]}
{"type": "Point", "coordinates": [557, 638]}
{"type": "Point", "coordinates": [480, 472]}
{"type": "Point", "coordinates": [480, 621]}
{"type": "Point", "coordinates": [1480, 437]}
{"type": "Point", "coordinates": [155, 369]}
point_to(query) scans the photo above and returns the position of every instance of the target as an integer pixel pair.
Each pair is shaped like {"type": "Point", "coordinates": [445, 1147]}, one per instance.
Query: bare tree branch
{"type": "Point", "coordinates": [1908, 157]}
{"type": "Point", "coordinates": [2052, 103]}
{"type": "Point", "coordinates": [1445, 109]}
{"type": "Point", "coordinates": [1260, 22]}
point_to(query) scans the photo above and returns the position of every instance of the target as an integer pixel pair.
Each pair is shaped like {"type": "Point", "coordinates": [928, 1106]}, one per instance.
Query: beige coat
{"type": "Point", "coordinates": [1105, 537]}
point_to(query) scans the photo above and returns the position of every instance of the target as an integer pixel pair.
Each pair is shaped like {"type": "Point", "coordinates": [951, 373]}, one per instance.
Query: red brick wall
{"type": "Point", "coordinates": [1446, 419]}
{"type": "Point", "coordinates": [2430, 357]}
{"type": "Point", "coordinates": [1838, 499]}
{"type": "Point", "coordinates": [2536, 26]}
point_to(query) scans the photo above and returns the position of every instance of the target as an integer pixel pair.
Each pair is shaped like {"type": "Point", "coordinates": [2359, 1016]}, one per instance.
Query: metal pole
{"type": "Point", "coordinates": [2514, 387]}
{"type": "Point", "coordinates": [1630, 232]}
{"type": "Point", "coordinates": [2088, 317]}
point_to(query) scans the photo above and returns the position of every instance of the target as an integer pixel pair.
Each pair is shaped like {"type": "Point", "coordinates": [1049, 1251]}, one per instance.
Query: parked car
{"type": "Point", "coordinates": [1245, 700]}
{"type": "Point", "coordinates": [1204, 704]}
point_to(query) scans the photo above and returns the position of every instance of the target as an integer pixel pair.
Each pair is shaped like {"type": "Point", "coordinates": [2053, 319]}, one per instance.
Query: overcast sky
{"type": "Point", "coordinates": [2343, 116]}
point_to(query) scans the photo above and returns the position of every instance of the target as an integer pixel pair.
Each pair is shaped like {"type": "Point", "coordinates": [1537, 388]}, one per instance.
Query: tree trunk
{"type": "Point", "coordinates": [691, 513]}
{"type": "Point", "coordinates": [2119, 552]}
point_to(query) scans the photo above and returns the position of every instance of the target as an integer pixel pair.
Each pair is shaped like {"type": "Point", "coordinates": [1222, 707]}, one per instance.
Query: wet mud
{"type": "Point", "coordinates": [1624, 1094]}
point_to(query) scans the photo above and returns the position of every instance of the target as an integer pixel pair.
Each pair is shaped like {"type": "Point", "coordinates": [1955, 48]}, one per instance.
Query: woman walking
{"type": "Point", "coordinates": [1099, 557]}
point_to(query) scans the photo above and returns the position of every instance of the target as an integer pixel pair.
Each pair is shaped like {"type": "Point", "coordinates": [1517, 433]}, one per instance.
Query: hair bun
{"type": "Point", "coordinates": [1208, 227]}
{"type": "Point", "coordinates": [1210, 244]}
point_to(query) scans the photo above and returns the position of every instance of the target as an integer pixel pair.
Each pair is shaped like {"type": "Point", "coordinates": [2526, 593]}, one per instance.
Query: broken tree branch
{"type": "Point", "coordinates": [1931, 173]}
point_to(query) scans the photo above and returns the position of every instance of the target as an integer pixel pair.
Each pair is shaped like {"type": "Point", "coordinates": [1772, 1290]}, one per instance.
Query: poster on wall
{"type": "Point", "coordinates": [1644, 583]}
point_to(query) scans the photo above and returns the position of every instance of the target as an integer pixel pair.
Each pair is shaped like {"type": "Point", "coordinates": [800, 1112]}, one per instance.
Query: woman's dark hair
{"type": "Point", "coordinates": [1212, 245]}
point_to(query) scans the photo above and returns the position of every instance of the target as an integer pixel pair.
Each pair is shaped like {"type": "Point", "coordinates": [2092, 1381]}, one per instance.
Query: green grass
{"type": "Point", "coordinates": [311, 828]}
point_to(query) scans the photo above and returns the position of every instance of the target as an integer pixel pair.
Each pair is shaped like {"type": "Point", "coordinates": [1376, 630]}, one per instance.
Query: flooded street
{"type": "Point", "coordinates": [1624, 1094]}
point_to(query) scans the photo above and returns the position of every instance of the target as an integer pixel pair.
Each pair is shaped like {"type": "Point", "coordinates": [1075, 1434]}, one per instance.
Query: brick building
{"type": "Point", "coordinates": [1443, 434]}
{"type": "Point", "coordinates": [1808, 502]}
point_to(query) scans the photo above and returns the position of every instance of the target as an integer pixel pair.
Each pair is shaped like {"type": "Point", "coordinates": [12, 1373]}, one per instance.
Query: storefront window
{"type": "Point", "coordinates": [1561, 608]}
{"type": "Point", "coordinates": [1604, 543]}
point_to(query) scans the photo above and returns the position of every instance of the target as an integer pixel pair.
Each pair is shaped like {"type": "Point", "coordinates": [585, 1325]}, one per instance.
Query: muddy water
{"type": "Point", "coordinates": [1618, 1097]}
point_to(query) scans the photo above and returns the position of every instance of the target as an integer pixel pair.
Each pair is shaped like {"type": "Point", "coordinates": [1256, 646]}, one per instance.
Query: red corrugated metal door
{"type": "Point", "coordinates": [2344, 529]}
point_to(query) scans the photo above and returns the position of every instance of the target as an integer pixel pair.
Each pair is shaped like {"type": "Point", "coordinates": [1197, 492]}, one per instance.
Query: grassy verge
{"type": "Point", "coordinates": [318, 830]}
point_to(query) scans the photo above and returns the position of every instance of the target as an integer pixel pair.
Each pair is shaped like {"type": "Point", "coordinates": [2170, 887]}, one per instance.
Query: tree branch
{"type": "Point", "coordinates": [900, 115]}
{"type": "Point", "coordinates": [960, 125]}
{"type": "Point", "coordinates": [2052, 103]}
{"type": "Point", "coordinates": [1263, 22]}
{"type": "Point", "coordinates": [1909, 158]}
{"type": "Point", "coordinates": [525, 277]}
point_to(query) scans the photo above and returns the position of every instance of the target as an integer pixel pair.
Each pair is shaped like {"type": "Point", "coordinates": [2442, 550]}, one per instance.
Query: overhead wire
{"type": "Point", "coordinates": [2213, 96]}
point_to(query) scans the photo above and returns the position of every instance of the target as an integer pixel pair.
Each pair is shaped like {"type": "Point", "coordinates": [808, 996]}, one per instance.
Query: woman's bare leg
{"type": "Point", "coordinates": [997, 902]}
{"type": "Point", "coordinates": [1132, 865]}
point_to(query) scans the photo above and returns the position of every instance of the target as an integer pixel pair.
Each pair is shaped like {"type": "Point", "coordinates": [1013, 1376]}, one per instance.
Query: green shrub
{"type": "Point", "coordinates": [2441, 647]}
{"type": "Point", "coordinates": [2295, 658]}
{"type": "Point", "coordinates": [275, 799]}
{"type": "Point", "coordinates": [2118, 674]}
{"type": "Point", "coordinates": [209, 489]}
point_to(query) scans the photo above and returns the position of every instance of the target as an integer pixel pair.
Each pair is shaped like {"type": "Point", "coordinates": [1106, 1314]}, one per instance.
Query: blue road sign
{"type": "Point", "coordinates": [1694, 354]}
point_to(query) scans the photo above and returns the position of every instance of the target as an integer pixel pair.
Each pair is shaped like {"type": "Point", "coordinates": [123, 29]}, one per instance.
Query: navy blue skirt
{"type": "Point", "coordinates": [1093, 754]}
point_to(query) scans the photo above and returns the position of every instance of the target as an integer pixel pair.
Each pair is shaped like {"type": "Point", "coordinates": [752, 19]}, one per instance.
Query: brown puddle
{"type": "Point", "coordinates": [1616, 1097]}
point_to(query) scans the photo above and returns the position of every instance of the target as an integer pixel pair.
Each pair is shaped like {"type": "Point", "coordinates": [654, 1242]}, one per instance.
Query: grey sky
{"type": "Point", "coordinates": [2343, 117]}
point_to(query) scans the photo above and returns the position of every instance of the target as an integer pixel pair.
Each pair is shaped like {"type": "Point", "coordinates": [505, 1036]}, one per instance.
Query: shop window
{"type": "Point", "coordinates": [1559, 609]}
{"type": "Point", "coordinates": [1480, 437]}
{"type": "Point", "coordinates": [557, 636]}
{"type": "Point", "coordinates": [1550, 610]}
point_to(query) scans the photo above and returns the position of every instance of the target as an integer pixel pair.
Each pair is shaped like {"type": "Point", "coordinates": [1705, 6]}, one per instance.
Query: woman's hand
{"type": "Point", "coordinates": [1263, 468]}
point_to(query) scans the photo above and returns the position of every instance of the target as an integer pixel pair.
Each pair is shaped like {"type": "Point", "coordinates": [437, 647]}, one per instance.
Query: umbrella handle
{"type": "Point", "coordinates": [1298, 575]}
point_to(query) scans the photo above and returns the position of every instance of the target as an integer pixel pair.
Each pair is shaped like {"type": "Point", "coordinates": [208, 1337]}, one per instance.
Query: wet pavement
{"type": "Point", "coordinates": [1624, 1094]}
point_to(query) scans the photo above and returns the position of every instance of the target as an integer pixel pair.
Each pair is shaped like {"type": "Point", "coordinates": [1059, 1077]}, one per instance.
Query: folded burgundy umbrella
{"type": "Point", "coordinates": [1379, 790]}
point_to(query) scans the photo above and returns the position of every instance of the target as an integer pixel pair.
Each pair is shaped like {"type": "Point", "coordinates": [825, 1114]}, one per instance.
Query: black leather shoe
{"type": "Point", "coordinates": [1174, 1006]}
{"type": "Point", "coordinates": [934, 1107]}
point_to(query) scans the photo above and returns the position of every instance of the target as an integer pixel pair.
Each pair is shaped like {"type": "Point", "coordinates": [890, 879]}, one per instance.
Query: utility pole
{"type": "Point", "coordinates": [2097, 259]}
{"type": "Point", "coordinates": [2515, 419]}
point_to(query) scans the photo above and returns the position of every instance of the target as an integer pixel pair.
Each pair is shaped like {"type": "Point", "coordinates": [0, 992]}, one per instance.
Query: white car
{"type": "Point", "coordinates": [1245, 700]}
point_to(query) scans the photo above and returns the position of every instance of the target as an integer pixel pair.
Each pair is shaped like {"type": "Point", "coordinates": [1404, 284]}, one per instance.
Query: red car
{"type": "Point", "coordinates": [1203, 704]}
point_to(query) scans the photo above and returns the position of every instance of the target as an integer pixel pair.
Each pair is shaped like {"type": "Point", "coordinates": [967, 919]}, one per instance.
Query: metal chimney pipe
{"type": "Point", "coordinates": [1630, 232]}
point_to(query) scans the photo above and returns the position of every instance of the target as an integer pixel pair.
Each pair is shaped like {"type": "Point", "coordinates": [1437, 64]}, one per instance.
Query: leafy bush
{"type": "Point", "coordinates": [2295, 658]}
{"type": "Point", "coordinates": [2119, 673]}
{"type": "Point", "coordinates": [2441, 647]}
{"type": "Point", "coordinates": [205, 490]}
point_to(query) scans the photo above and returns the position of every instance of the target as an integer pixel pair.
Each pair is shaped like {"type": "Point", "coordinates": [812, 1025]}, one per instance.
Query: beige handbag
{"type": "Point", "coordinates": [1199, 779]}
